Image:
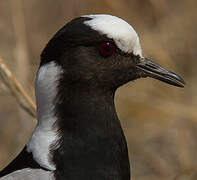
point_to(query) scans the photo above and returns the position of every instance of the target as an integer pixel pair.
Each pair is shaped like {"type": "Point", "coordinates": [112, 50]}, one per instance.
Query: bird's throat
{"type": "Point", "coordinates": [91, 143]}
{"type": "Point", "coordinates": [78, 132]}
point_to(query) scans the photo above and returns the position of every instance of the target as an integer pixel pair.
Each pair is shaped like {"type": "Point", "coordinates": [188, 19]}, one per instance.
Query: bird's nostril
{"type": "Point", "coordinates": [151, 66]}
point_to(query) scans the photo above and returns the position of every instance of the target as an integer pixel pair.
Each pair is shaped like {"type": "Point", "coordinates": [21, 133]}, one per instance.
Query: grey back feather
{"type": "Point", "coordinates": [29, 174]}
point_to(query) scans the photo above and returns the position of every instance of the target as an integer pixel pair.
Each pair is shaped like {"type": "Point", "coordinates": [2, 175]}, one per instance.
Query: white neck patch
{"type": "Point", "coordinates": [117, 29]}
{"type": "Point", "coordinates": [44, 134]}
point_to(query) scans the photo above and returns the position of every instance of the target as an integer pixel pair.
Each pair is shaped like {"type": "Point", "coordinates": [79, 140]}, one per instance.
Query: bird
{"type": "Point", "coordinates": [78, 135]}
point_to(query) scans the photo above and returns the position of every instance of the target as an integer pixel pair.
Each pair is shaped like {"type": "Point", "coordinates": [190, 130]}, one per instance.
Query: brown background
{"type": "Point", "coordinates": [160, 121]}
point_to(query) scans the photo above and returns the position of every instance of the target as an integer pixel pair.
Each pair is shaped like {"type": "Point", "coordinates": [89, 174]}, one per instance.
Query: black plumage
{"type": "Point", "coordinates": [23, 160]}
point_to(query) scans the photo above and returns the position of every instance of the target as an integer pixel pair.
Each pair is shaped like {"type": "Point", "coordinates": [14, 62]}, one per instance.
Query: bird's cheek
{"type": "Point", "coordinates": [124, 76]}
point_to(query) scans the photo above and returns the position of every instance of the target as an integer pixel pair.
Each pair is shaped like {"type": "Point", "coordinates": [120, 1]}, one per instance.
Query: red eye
{"type": "Point", "coordinates": [106, 49]}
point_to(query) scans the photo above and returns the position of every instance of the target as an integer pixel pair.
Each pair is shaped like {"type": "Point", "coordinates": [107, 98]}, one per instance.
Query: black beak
{"type": "Point", "coordinates": [151, 69]}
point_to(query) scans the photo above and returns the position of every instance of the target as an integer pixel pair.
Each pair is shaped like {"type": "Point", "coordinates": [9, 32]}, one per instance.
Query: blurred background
{"type": "Point", "coordinates": [160, 121]}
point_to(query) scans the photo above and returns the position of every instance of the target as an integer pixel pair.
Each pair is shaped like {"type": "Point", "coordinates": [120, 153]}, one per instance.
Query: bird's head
{"type": "Point", "coordinates": [81, 67]}
{"type": "Point", "coordinates": [102, 51]}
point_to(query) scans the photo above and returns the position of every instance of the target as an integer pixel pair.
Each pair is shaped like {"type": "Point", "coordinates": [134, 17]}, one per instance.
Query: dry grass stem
{"type": "Point", "coordinates": [17, 90]}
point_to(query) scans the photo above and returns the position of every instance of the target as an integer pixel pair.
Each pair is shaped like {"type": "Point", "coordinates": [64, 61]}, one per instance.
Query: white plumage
{"type": "Point", "coordinates": [117, 29]}
{"type": "Point", "coordinates": [44, 134]}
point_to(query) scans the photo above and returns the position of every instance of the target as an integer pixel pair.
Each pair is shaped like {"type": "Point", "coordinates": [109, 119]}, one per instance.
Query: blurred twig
{"type": "Point", "coordinates": [20, 52]}
{"type": "Point", "coordinates": [16, 89]}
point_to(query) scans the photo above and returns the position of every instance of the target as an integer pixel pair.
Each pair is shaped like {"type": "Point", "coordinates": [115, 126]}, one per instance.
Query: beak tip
{"type": "Point", "coordinates": [182, 86]}
{"type": "Point", "coordinates": [180, 81]}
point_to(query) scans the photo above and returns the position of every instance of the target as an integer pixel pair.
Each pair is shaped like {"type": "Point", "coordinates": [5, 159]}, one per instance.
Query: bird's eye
{"type": "Point", "coordinates": [106, 49]}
